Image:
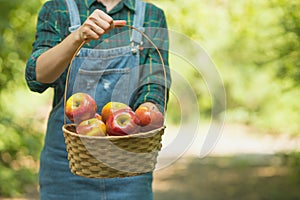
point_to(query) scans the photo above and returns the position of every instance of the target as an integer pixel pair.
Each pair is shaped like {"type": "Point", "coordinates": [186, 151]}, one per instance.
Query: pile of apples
{"type": "Point", "coordinates": [115, 119]}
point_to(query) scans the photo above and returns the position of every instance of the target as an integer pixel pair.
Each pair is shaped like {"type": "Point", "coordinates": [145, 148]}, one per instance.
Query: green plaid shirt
{"type": "Point", "coordinates": [52, 28]}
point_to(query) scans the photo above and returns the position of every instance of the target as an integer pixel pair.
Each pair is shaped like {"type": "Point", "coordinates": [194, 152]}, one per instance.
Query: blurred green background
{"type": "Point", "coordinates": [255, 45]}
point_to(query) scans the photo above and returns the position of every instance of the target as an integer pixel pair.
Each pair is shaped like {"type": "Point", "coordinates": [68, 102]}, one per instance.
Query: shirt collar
{"type": "Point", "coordinates": [128, 3]}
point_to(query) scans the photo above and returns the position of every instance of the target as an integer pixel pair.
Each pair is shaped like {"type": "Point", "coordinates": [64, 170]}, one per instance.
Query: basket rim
{"type": "Point", "coordinates": [140, 134]}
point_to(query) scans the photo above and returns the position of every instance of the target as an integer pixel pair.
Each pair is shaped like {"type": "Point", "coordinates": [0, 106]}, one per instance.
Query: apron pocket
{"type": "Point", "coordinates": [104, 85]}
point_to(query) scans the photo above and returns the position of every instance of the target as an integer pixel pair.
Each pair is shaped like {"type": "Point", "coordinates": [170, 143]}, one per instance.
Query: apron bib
{"type": "Point", "coordinates": [107, 75]}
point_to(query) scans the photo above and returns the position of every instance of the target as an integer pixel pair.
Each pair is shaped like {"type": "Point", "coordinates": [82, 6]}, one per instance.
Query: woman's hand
{"type": "Point", "coordinates": [97, 24]}
{"type": "Point", "coordinates": [51, 64]}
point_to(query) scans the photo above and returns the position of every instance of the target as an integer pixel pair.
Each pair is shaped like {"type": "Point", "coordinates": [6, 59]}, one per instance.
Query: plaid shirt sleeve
{"type": "Point", "coordinates": [47, 36]}
{"type": "Point", "coordinates": [153, 78]}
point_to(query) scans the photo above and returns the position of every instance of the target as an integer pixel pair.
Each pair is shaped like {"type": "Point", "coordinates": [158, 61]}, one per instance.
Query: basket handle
{"type": "Point", "coordinates": [116, 26]}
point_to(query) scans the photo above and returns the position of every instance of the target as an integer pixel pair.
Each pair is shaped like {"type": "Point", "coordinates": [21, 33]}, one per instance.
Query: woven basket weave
{"type": "Point", "coordinates": [112, 156]}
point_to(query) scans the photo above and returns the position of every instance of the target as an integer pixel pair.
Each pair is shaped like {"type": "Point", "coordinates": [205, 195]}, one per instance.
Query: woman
{"type": "Point", "coordinates": [59, 34]}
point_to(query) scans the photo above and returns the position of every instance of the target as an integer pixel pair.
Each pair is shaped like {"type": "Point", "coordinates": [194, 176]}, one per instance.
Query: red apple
{"type": "Point", "coordinates": [144, 114]}
{"type": "Point", "coordinates": [112, 107]}
{"type": "Point", "coordinates": [122, 122]}
{"type": "Point", "coordinates": [80, 107]}
{"type": "Point", "coordinates": [149, 116]}
{"type": "Point", "coordinates": [91, 127]}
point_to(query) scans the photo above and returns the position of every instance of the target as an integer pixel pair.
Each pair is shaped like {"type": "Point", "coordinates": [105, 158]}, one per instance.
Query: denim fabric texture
{"type": "Point", "coordinates": [108, 74]}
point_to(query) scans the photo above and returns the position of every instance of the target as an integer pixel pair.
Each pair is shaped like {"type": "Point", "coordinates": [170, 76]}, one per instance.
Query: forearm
{"type": "Point", "coordinates": [51, 64]}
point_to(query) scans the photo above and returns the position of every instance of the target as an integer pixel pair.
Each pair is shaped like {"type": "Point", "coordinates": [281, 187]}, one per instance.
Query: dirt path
{"type": "Point", "coordinates": [243, 164]}
{"type": "Point", "coordinates": [253, 177]}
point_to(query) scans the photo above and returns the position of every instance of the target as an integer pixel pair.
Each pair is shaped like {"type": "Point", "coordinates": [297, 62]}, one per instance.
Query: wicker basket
{"type": "Point", "coordinates": [112, 156]}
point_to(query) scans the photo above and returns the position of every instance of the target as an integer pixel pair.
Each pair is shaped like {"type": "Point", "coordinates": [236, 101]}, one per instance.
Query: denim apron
{"type": "Point", "coordinates": [107, 75]}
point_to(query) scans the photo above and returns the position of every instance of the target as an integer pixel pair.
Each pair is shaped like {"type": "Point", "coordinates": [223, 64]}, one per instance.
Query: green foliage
{"type": "Point", "coordinates": [17, 28]}
{"type": "Point", "coordinates": [255, 45]}
{"type": "Point", "coordinates": [18, 162]}
{"type": "Point", "coordinates": [288, 49]}
{"type": "Point", "coordinates": [263, 62]}
{"type": "Point", "coordinates": [20, 139]}
{"type": "Point", "coordinates": [20, 145]}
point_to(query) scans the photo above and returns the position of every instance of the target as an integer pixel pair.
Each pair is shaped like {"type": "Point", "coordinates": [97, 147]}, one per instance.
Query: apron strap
{"type": "Point", "coordinates": [74, 15]}
{"type": "Point", "coordinates": [138, 21]}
